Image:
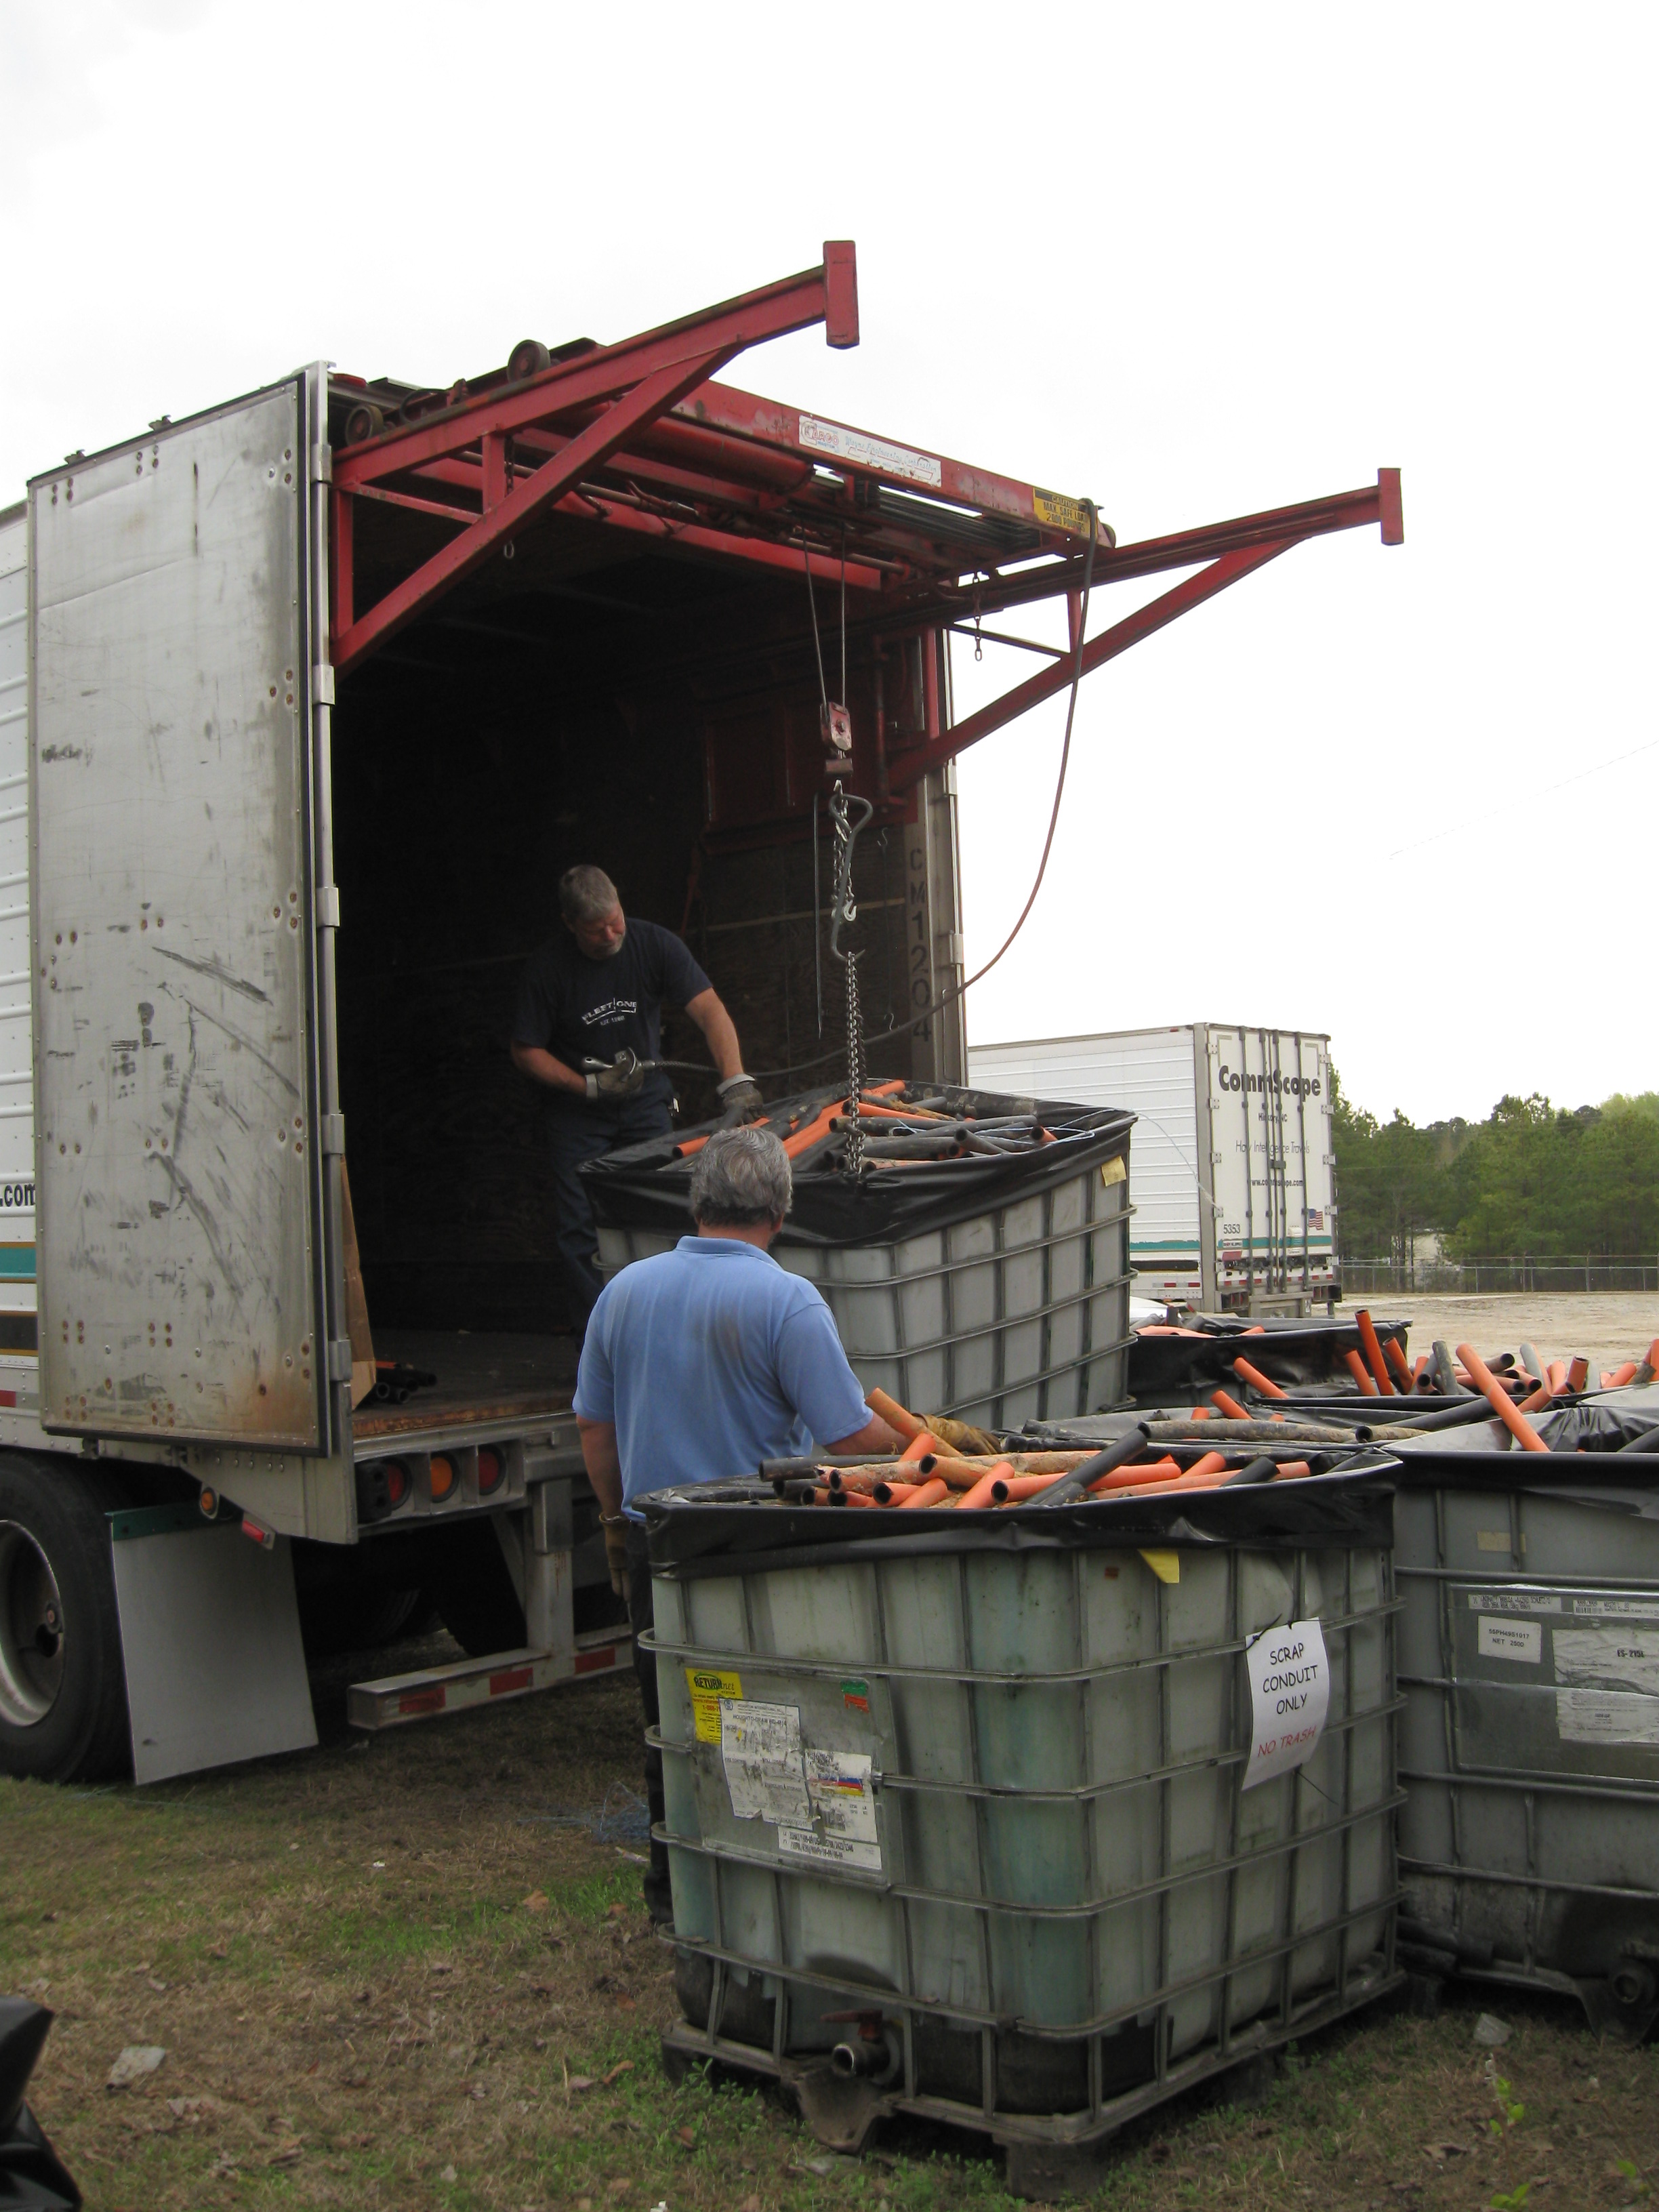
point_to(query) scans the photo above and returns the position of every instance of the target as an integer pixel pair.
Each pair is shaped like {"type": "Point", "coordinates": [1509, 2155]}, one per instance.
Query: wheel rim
{"type": "Point", "coordinates": [31, 1629]}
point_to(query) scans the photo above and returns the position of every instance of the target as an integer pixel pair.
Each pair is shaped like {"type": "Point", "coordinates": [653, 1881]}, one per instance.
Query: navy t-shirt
{"type": "Point", "coordinates": [579, 1009]}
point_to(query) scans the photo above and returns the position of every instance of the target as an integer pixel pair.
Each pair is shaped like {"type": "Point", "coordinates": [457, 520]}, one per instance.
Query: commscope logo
{"type": "Point", "coordinates": [1287, 1086]}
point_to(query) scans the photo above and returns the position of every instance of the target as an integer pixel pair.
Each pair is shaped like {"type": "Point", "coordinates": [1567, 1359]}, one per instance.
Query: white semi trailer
{"type": "Point", "coordinates": [1234, 1166]}
{"type": "Point", "coordinates": [305, 703]}
{"type": "Point", "coordinates": [263, 908]}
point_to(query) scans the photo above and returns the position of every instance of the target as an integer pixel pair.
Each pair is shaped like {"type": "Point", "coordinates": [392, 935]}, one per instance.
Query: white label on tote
{"type": "Point", "coordinates": [829, 1849]}
{"type": "Point", "coordinates": [1606, 1717]}
{"type": "Point", "coordinates": [1290, 1695]}
{"type": "Point", "coordinates": [1618, 1658]}
{"type": "Point", "coordinates": [1490, 1600]}
{"type": "Point", "coordinates": [1510, 1639]}
{"type": "Point", "coordinates": [760, 1750]}
{"type": "Point", "coordinates": [842, 1795]}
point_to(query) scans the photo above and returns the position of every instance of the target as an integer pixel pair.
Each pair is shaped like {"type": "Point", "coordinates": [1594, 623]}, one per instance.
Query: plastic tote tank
{"type": "Point", "coordinates": [993, 1289]}
{"type": "Point", "coordinates": [1530, 1658]}
{"type": "Point", "coordinates": [954, 1808]}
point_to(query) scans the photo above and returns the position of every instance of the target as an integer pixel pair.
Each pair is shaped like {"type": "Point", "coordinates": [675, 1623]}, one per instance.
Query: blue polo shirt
{"type": "Point", "coordinates": [708, 1359]}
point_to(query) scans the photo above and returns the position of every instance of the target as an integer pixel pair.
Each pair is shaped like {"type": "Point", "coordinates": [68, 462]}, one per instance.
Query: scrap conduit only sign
{"type": "Point", "coordinates": [1290, 1696]}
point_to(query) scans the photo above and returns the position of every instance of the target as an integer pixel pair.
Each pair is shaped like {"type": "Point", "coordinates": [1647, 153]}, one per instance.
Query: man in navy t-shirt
{"type": "Point", "coordinates": [597, 993]}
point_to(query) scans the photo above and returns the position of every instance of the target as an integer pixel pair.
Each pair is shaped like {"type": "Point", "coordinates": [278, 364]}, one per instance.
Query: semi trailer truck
{"type": "Point", "coordinates": [305, 702]}
{"type": "Point", "coordinates": [1234, 1164]}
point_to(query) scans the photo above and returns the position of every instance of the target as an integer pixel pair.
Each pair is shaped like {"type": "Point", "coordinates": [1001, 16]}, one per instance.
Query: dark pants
{"type": "Point", "coordinates": [577, 1132]}
{"type": "Point", "coordinates": [659, 1896]}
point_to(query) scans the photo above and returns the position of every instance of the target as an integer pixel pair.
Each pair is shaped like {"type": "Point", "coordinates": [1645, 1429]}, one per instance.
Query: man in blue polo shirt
{"type": "Point", "coordinates": [699, 1364]}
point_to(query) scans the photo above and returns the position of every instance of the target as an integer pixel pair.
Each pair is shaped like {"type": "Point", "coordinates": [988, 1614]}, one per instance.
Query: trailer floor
{"type": "Point", "coordinates": [480, 1378]}
{"type": "Point", "coordinates": [411, 1971]}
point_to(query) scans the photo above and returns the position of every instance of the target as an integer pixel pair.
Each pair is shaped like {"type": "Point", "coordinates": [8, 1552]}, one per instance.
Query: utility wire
{"type": "Point", "coordinates": [1530, 798]}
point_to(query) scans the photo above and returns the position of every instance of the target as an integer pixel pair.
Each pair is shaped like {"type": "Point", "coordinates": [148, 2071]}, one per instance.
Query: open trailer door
{"type": "Point", "coordinates": [179, 709]}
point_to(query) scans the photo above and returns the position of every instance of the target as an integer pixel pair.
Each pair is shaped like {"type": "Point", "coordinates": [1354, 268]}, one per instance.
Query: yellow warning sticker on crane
{"type": "Point", "coordinates": [708, 1686]}
{"type": "Point", "coordinates": [1056, 512]}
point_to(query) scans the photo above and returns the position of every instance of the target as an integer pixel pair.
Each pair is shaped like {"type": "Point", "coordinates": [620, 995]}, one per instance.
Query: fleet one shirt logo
{"type": "Point", "coordinates": [613, 1010]}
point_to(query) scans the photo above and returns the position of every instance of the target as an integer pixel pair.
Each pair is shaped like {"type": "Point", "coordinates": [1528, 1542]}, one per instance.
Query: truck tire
{"type": "Point", "coordinates": [63, 1686]}
{"type": "Point", "coordinates": [474, 1593]}
{"type": "Point", "coordinates": [358, 1616]}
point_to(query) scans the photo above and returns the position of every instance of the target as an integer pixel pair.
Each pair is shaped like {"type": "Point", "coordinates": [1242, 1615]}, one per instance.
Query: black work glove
{"type": "Point", "coordinates": [624, 1078]}
{"type": "Point", "coordinates": [741, 1098]}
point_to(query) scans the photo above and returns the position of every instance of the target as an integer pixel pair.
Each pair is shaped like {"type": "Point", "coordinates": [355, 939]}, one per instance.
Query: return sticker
{"type": "Point", "coordinates": [1290, 1697]}
{"type": "Point", "coordinates": [708, 1686]}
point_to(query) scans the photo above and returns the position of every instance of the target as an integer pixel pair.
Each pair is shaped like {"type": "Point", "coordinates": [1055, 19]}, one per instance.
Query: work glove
{"type": "Point", "coordinates": [624, 1078]}
{"type": "Point", "coordinates": [615, 1532]}
{"type": "Point", "coordinates": [740, 1095]}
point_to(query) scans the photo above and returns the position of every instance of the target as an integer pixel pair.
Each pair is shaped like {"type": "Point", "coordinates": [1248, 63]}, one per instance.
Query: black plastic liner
{"type": "Point", "coordinates": [647, 1187]}
{"type": "Point", "coordinates": [1596, 1427]}
{"type": "Point", "coordinates": [1352, 1507]}
{"type": "Point", "coordinates": [1293, 1353]}
{"type": "Point", "coordinates": [1616, 1485]}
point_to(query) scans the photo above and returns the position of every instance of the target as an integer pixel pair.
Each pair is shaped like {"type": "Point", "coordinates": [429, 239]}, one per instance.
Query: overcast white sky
{"type": "Point", "coordinates": [1189, 263]}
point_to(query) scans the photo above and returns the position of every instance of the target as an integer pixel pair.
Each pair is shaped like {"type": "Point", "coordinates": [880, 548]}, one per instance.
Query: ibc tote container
{"type": "Point", "coordinates": [1033, 1884]}
{"type": "Point", "coordinates": [993, 1290]}
{"type": "Point", "coordinates": [1530, 1660]}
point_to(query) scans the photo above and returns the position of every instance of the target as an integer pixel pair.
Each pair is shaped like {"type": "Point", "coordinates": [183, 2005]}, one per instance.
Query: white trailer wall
{"type": "Point", "coordinates": [1229, 1165]}
{"type": "Point", "coordinates": [1150, 1072]}
{"type": "Point", "coordinates": [16, 1073]}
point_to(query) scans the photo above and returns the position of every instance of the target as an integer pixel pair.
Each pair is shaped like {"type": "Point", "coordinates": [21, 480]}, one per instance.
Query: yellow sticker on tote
{"type": "Point", "coordinates": [707, 1686]}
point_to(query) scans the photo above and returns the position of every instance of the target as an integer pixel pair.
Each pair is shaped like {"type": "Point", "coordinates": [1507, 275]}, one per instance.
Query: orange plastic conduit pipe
{"type": "Point", "coordinates": [1500, 1402]}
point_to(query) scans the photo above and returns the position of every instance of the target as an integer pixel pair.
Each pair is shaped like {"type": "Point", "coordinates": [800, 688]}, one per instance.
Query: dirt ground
{"type": "Point", "coordinates": [412, 1970]}
{"type": "Point", "coordinates": [1606, 1326]}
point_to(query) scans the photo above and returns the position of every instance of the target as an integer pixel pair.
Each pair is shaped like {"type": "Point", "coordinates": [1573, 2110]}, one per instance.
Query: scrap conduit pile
{"type": "Point", "coordinates": [947, 1466]}
{"type": "Point", "coordinates": [1462, 1391]}
{"type": "Point", "coordinates": [903, 1125]}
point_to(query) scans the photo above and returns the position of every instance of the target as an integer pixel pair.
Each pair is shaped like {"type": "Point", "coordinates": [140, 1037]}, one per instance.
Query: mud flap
{"type": "Point", "coordinates": [210, 1642]}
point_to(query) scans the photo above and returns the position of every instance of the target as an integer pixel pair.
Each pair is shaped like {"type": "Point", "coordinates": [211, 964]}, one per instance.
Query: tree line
{"type": "Point", "coordinates": [1531, 1178]}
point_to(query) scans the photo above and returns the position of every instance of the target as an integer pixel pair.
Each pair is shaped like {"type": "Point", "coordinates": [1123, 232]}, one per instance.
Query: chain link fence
{"type": "Point", "coordinates": [1504, 1271]}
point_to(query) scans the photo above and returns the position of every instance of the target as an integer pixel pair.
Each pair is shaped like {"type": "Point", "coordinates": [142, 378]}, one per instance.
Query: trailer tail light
{"type": "Point", "coordinates": [442, 1478]}
{"type": "Point", "coordinates": [382, 1487]}
{"type": "Point", "coordinates": [492, 1471]}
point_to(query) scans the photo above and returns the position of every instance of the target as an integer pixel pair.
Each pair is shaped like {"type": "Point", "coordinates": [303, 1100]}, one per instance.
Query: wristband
{"type": "Point", "coordinates": [591, 1087]}
{"type": "Point", "coordinates": [731, 1080]}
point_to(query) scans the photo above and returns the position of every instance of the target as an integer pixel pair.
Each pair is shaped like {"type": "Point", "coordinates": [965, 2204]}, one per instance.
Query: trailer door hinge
{"type": "Point", "coordinates": [331, 1135]}
{"type": "Point", "coordinates": [339, 1359]}
{"type": "Point", "coordinates": [322, 685]}
{"type": "Point", "coordinates": [328, 906]}
{"type": "Point", "coordinates": [322, 464]}
{"type": "Point", "coordinates": [954, 946]}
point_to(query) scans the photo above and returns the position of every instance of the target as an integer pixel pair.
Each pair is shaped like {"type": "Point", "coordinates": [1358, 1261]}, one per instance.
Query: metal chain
{"type": "Point", "coordinates": [843, 910]}
{"type": "Point", "coordinates": [854, 1069]}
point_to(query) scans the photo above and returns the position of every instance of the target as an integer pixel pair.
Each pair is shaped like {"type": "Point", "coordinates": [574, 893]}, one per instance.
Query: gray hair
{"type": "Point", "coordinates": [586, 894]}
{"type": "Point", "coordinates": [742, 1177]}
